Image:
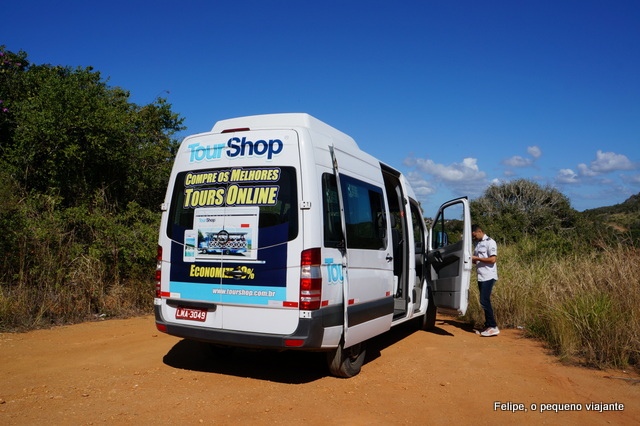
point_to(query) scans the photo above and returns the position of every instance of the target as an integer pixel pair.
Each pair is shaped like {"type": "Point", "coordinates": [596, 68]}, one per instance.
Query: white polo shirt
{"type": "Point", "coordinates": [484, 249]}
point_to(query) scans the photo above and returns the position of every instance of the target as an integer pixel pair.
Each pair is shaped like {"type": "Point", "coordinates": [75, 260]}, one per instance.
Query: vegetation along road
{"type": "Point", "coordinates": [124, 372]}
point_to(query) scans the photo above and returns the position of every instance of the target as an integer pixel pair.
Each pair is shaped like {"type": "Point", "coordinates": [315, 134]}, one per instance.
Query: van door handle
{"type": "Point", "coordinates": [389, 258]}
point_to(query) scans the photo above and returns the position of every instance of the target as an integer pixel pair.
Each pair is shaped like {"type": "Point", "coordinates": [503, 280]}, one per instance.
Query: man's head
{"type": "Point", "coordinates": [476, 232]}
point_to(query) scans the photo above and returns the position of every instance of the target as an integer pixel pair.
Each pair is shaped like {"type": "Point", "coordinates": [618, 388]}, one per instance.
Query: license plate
{"type": "Point", "coordinates": [191, 314]}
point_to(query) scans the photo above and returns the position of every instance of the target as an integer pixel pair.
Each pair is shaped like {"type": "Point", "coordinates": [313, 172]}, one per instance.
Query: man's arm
{"type": "Point", "coordinates": [490, 259]}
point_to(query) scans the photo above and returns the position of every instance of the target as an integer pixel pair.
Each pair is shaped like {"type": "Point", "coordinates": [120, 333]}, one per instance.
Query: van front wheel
{"type": "Point", "coordinates": [346, 362]}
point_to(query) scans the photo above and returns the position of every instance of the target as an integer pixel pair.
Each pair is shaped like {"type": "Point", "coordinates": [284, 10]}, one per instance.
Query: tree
{"type": "Point", "coordinates": [522, 207]}
{"type": "Point", "coordinates": [66, 132]}
{"type": "Point", "coordinates": [82, 173]}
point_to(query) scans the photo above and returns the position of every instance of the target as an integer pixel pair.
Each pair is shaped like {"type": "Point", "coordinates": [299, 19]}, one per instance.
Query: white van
{"type": "Point", "coordinates": [279, 232]}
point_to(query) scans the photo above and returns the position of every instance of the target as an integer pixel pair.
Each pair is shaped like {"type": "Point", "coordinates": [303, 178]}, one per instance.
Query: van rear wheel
{"type": "Point", "coordinates": [346, 362]}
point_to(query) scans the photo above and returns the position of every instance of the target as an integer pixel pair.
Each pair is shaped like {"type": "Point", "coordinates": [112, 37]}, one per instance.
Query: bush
{"type": "Point", "coordinates": [82, 173]}
{"type": "Point", "coordinates": [512, 210]}
{"type": "Point", "coordinates": [70, 265]}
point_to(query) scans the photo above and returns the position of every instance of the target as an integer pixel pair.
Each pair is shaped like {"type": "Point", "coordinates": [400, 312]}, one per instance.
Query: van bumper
{"type": "Point", "coordinates": [308, 335]}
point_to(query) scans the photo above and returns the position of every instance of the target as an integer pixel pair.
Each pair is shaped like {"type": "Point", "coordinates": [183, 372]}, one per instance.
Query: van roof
{"type": "Point", "coordinates": [286, 121]}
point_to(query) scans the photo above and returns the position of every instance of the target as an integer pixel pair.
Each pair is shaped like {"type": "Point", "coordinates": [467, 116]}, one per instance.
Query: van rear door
{"type": "Point", "coordinates": [234, 229]}
{"type": "Point", "coordinates": [449, 256]}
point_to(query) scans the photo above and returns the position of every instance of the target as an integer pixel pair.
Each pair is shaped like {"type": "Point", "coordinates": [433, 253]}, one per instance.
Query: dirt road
{"type": "Point", "coordinates": [124, 372]}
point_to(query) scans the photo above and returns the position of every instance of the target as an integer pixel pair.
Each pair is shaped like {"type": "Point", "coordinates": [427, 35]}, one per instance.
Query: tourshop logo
{"type": "Point", "coordinates": [235, 147]}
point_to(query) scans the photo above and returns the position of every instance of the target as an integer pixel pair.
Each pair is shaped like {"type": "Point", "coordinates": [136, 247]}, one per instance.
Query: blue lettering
{"type": "Point", "coordinates": [199, 153]}
{"type": "Point", "coordinates": [214, 152]}
{"type": "Point", "coordinates": [192, 147]}
{"type": "Point", "coordinates": [245, 144]}
{"type": "Point", "coordinates": [258, 149]}
{"type": "Point", "coordinates": [334, 273]}
{"type": "Point", "coordinates": [235, 148]}
{"type": "Point", "coordinates": [275, 147]}
{"type": "Point", "coordinates": [243, 147]}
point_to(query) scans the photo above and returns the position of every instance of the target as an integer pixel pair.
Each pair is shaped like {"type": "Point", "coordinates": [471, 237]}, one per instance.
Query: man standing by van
{"type": "Point", "coordinates": [485, 255]}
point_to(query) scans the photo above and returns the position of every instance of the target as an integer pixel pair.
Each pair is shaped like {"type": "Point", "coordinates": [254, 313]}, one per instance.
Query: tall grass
{"type": "Point", "coordinates": [69, 265]}
{"type": "Point", "coordinates": [584, 303]}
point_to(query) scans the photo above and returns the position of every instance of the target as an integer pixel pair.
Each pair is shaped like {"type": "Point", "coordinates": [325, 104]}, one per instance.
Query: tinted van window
{"type": "Point", "coordinates": [364, 214]}
{"type": "Point", "coordinates": [272, 189]}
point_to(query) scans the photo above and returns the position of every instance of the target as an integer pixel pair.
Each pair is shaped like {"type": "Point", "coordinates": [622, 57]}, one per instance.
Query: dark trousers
{"type": "Point", "coordinates": [485, 288]}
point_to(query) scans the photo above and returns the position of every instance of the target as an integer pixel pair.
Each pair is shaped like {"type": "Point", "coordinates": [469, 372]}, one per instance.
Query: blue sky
{"type": "Point", "coordinates": [455, 94]}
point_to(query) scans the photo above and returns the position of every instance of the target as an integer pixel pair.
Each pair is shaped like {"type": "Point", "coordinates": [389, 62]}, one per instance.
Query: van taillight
{"type": "Point", "coordinates": [159, 272]}
{"type": "Point", "coordinates": [310, 279]}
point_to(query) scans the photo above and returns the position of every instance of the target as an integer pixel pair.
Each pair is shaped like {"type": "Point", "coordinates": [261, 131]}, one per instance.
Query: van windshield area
{"type": "Point", "coordinates": [262, 196]}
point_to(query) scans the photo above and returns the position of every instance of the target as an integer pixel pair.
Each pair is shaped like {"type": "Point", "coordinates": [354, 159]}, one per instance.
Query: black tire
{"type": "Point", "coordinates": [346, 362]}
{"type": "Point", "coordinates": [429, 318]}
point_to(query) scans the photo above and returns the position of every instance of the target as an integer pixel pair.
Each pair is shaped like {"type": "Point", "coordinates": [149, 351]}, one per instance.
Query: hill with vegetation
{"type": "Point", "coordinates": [623, 218]}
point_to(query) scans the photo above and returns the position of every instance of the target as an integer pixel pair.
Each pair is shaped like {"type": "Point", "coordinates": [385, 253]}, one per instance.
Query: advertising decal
{"type": "Point", "coordinates": [225, 257]}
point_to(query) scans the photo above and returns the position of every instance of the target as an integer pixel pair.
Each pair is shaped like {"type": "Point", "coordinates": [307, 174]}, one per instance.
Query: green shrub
{"type": "Point", "coordinates": [516, 209]}
{"type": "Point", "coordinates": [82, 171]}
{"type": "Point", "coordinates": [69, 265]}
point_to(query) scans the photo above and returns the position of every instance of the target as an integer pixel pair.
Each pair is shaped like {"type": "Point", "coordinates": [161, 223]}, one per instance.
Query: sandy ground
{"type": "Point", "coordinates": [125, 372]}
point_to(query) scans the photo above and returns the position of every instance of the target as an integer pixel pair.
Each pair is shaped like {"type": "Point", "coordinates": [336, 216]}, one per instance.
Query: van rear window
{"type": "Point", "coordinates": [271, 190]}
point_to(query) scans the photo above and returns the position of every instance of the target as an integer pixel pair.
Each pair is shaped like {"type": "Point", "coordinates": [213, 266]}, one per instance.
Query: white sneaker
{"type": "Point", "coordinates": [491, 331]}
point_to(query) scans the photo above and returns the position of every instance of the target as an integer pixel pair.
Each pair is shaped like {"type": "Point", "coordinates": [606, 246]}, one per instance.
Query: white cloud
{"type": "Point", "coordinates": [461, 179]}
{"type": "Point", "coordinates": [534, 151]}
{"type": "Point", "coordinates": [457, 172]}
{"type": "Point", "coordinates": [410, 161]}
{"type": "Point", "coordinates": [606, 162]}
{"type": "Point", "coordinates": [584, 170]}
{"type": "Point", "coordinates": [567, 176]}
{"type": "Point", "coordinates": [421, 186]}
{"type": "Point", "coordinates": [517, 161]}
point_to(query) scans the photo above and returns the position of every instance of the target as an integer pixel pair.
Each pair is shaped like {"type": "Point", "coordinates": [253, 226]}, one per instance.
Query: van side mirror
{"type": "Point", "coordinates": [442, 239]}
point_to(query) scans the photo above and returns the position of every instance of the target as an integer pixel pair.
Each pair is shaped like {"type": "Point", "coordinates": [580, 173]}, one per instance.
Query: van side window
{"type": "Point", "coordinates": [331, 211]}
{"type": "Point", "coordinates": [364, 214]}
{"type": "Point", "coordinates": [448, 227]}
